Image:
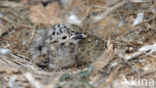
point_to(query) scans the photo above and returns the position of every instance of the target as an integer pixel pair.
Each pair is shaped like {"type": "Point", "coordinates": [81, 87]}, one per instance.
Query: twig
{"type": "Point", "coordinates": [9, 61]}
{"type": "Point", "coordinates": [32, 80]}
{"type": "Point", "coordinates": [103, 15]}
{"type": "Point", "coordinates": [128, 58]}
{"type": "Point", "coordinates": [134, 69]}
{"type": "Point", "coordinates": [98, 6]}
{"type": "Point", "coordinates": [54, 82]}
{"type": "Point", "coordinates": [140, 1]}
{"type": "Point", "coordinates": [142, 50]}
{"type": "Point", "coordinates": [10, 4]}
{"type": "Point", "coordinates": [32, 35]}
{"type": "Point", "coordinates": [147, 72]}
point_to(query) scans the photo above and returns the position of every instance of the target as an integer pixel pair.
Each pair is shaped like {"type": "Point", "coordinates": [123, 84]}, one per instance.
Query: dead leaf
{"type": "Point", "coordinates": [45, 15]}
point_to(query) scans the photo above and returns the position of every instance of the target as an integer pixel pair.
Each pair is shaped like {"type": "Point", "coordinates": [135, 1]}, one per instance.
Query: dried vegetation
{"type": "Point", "coordinates": [128, 26]}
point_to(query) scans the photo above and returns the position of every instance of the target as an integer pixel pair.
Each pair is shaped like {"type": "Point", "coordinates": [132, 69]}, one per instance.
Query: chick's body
{"type": "Point", "coordinates": [56, 47]}
{"type": "Point", "coordinates": [63, 56]}
{"type": "Point", "coordinates": [38, 48]}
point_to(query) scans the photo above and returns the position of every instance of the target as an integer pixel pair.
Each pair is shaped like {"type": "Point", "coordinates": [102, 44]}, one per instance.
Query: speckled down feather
{"type": "Point", "coordinates": [56, 47]}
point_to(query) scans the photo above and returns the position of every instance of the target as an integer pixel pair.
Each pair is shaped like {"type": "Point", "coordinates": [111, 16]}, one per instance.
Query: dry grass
{"type": "Point", "coordinates": [130, 52]}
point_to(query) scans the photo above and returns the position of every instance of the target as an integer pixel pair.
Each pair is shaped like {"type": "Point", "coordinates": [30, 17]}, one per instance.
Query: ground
{"type": "Point", "coordinates": [127, 26]}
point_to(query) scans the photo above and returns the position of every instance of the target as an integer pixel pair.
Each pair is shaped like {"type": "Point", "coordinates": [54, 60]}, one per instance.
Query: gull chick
{"type": "Point", "coordinates": [56, 47]}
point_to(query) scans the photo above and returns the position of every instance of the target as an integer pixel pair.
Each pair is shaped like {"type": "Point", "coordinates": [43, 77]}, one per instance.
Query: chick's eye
{"type": "Point", "coordinates": [76, 33]}
{"type": "Point", "coordinates": [64, 37]}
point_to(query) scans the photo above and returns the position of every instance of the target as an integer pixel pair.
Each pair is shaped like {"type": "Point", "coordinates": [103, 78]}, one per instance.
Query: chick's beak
{"type": "Point", "coordinates": [79, 36]}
